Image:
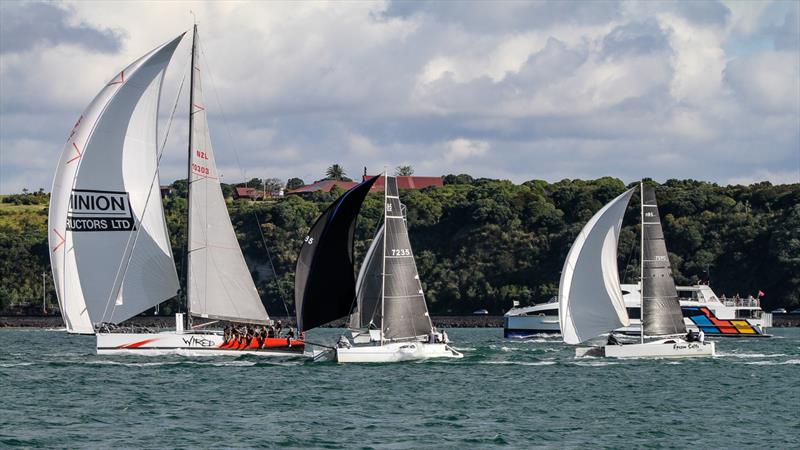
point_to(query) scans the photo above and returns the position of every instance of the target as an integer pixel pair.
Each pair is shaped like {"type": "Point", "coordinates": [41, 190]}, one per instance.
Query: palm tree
{"type": "Point", "coordinates": [335, 172]}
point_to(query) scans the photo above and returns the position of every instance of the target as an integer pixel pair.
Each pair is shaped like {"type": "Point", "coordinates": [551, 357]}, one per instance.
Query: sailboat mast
{"type": "Point", "coordinates": [641, 263]}
{"type": "Point", "coordinates": [383, 256]}
{"type": "Point", "coordinates": [189, 172]}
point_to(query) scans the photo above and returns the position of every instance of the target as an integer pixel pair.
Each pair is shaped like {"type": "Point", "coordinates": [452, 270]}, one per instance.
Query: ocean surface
{"type": "Point", "coordinates": [531, 393]}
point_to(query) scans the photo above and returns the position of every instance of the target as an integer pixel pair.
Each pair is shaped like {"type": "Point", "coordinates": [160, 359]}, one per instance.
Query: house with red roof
{"type": "Point", "coordinates": [249, 193]}
{"type": "Point", "coordinates": [410, 182]}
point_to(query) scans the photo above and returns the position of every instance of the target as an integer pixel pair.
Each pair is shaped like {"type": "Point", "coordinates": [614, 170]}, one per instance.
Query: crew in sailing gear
{"type": "Point", "coordinates": [445, 339]}
{"type": "Point", "coordinates": [432, 337]}
{"type": "Point", "coordinates": [612, 340]}
{"type": "Point", "coordinates": [701, 337]}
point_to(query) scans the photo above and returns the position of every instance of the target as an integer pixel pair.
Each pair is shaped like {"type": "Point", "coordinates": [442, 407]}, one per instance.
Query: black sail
{"type": "Point", "coordinates": [368, 286]}
{"type": "Point", "coordinates": [405, 313]}
{"type": "Point", "coordinates": [324, 285]}
{"type": "Point", "coordinates": [661, 310]}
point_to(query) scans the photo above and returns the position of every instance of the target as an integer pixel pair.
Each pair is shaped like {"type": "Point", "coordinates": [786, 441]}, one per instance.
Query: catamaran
{"type": "Point", "coordinates": [111, 255]}
{"type": "Point", "coordinates": [590, 297]}
{"type": "Point", "coordinates": [391, 321]}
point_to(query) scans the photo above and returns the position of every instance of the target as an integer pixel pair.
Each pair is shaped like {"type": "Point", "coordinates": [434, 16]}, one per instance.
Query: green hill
{"type": "Point", "coordinates": [484, 243]}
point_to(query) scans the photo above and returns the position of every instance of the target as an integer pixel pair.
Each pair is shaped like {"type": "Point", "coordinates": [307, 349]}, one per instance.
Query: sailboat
{"type": "Point", "coordinates": [590, 297]}
{"type": "Point", "coordinates": [111, 255]}
{"type": "Point", "coordinates": [391, 306]}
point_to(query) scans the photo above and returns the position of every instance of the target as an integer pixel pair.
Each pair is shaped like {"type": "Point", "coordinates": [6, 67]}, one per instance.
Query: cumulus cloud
{"type": "Point", "coordinates": [542, 89]}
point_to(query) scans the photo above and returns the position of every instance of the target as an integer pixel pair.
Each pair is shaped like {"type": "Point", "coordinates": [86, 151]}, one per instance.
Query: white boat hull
{"type": "Point", "coordinates": [665, 348]}
{"type": "Point", "coordinates": [187, 344]}
{"type": "Point", "coordinates": [395, 352]}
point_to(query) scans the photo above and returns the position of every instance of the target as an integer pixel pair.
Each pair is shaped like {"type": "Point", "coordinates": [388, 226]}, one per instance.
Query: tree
{"type": "Point", "coordinates": [294, 183]}
{"type": "Point", "coordinates": [335, 172]}
{"type": "Point", "coordinates": [273, 185]}
{"type": "Point", "coordinates": [404, 171]}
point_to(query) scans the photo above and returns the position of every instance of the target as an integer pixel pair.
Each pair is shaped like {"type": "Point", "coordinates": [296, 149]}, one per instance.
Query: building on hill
{"type": "Point", "coordinates": [322, 186]}
{"type": "Point", "coordinates": [250, 193]}
{"type": "Point", "coordinates": [166, 190]}
{"type": "Point", "coordinates": [410, 182]}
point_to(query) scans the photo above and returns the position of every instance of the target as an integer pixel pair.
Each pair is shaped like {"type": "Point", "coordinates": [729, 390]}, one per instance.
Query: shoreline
{"type": "Point", "coordinates": [169, 322]}
{"type": "Point", "coordinates": [779, 321]}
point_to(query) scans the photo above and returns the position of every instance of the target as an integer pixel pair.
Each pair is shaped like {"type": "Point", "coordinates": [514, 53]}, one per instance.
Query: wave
{"type": "Point", "coordinates": [594, 363]}
{"type": "Point", "coordinates": [7, 365]}
{"type": "Point", "coordinates": [521, 363]}
{"type": "Point", "coordinates": [751, 355]}
{"type": "Point", "coordinates": [773, 363]}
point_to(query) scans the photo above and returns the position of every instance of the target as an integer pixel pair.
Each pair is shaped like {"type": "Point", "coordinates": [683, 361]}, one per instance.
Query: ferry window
{"type": "Point", "coordinates": [634, 313]}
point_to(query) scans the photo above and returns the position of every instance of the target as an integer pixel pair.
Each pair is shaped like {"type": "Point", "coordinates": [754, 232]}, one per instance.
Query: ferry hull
{"type": "Point", "coordinates": [395, 352]}
{"type": "Point", "coordinates": [191, 344]}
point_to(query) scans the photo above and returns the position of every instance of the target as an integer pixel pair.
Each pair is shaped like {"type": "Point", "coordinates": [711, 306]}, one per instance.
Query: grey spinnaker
{"type": "Point", "coordinates": [368, 286]}
{"type": "Point", "coordinates": [405, 314]}
{"type": "Point", "coordinates": [661, 311]}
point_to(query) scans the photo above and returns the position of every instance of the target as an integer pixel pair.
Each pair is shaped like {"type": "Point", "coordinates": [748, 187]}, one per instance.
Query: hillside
{"type": "Point", "coordinates": [484, 243]}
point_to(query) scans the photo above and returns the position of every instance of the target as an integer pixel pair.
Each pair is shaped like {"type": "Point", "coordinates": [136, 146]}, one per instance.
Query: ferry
{"type": "Point", "coordinates": [702, 309]}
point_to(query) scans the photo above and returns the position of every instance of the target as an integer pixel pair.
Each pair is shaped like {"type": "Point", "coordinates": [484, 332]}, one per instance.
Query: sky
{"type": "Point", "coordinates": [511, 90]}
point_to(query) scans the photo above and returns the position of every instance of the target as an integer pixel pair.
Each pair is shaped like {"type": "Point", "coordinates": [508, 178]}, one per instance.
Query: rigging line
{"type": "Point", "coordinates": [146, 202]}
{"type": "Point", "coordinates": [241, 171]}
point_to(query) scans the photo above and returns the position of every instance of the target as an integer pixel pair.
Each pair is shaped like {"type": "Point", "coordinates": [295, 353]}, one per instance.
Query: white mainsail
{"type": "Point", "coordinates": [219, 283]}
{"type": "Point", "coordinates": [589, 294]}
{"type": "Point", "coordinates": [110, 252]}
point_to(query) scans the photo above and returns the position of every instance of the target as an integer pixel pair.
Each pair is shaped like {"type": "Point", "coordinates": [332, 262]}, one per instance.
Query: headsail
{"type": "Point", "coordinates": [405, 313]}
{"type": "Point", "coordinates": [368, 286]}
{"type": "Point", "coordinates": [324, 285]}
{"type": "Point", "coordinates": [661, 311]}
{"type": "Point", "coordinates": [219, 284]}
{"type": "Point", "coordinates": [589, 294]}
{"type": "Point", "coordinates": [110, 252]}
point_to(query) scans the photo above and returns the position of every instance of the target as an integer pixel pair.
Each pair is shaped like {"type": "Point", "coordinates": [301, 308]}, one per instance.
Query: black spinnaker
{"type": "Point", "coordinates": [324, 285]}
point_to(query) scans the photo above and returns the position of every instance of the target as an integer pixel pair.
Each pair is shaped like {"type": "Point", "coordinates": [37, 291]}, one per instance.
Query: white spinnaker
{"type": "Point", "coordinates": [589, 294]}
{"type": "Point", "coordinates": [107, 170]}
{"type": "Point", "coordinates": [219, 284]}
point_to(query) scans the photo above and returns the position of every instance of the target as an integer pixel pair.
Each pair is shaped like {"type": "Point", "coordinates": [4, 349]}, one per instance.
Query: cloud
{"type": "Point", "coordinates": [24, 26]}
{"type": "Point", "coordinates": [527, 90]}
{"type": "Point", "coordinates": [461, 149]}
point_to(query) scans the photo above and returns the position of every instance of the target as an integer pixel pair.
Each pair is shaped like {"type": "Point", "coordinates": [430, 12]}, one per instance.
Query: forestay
{"type": "Point", "coordinates": [405, 314]}
{"type": "Point", "coordinates": [368, 286]}
{"type": "Point", "coordinates": [324, 283]}
{"type": "Point", "coordinates": [661, 311]}
{"type": "Point", "coordinates": [110, 251]}
{"type": "Point", "coordinates": [589, 293]}
{"type": "Point", "coordinates": [219, 283]}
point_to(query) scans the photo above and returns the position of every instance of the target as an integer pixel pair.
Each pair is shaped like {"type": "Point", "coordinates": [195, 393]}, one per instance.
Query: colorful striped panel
{"type": "Point", "coordinates": [744, 327]}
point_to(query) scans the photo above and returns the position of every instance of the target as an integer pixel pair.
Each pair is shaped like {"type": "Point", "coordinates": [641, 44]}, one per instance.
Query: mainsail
{"type": "Point", "coordinates": [405, 314]}
{"type": "Point", "coordinates": [661, 311]}
{"type": "Point", "coordinates": [219, 284]}
{"type": "Point", "coordinates": [589, 293]}
{"type": "Point", "coordinates": [368, 286]}
{"type": "Point", "coordinates": [324, 285]}
{"type": "Point", "coordinates": [110, 252]}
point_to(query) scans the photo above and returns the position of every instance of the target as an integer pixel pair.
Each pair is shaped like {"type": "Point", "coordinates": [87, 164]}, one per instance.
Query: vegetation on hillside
{"type": "Point", "coordinates": [482, 243]}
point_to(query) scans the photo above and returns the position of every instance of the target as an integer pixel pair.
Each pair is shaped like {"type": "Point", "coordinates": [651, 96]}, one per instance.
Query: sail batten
{"type": "Point", "coordinates": [110, 255]}
{"type": "Point", "coordinates": [219, 284]}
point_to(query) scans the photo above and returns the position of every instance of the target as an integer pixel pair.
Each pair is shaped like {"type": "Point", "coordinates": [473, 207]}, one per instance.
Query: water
{"type": "Point", "coordinates": [517, 394]}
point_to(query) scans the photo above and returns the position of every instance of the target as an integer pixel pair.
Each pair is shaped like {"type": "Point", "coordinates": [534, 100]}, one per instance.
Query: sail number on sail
{"type": "Point", "coordinates": [401, 252]}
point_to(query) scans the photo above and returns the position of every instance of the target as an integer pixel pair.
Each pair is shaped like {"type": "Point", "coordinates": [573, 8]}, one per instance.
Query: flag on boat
{"type": "Point", "coordinates": [761, 293]}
